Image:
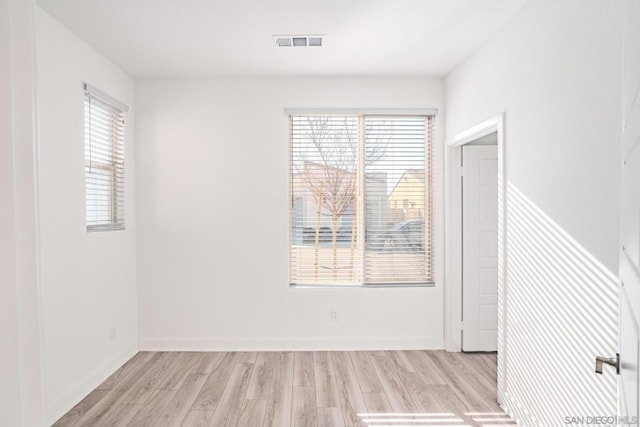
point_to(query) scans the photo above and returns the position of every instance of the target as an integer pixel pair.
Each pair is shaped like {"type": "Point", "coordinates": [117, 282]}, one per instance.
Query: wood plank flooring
{"type": "Point", "coordinates": [358, 388]}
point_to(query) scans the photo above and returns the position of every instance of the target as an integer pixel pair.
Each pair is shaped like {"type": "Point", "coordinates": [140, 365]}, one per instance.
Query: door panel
{"type": "Point", "coordinates": [630, 278]}
{"type": "Point", "coordinates": [629, 344]}
{"type": "Point", "coordinates": [488, 282]}
{"type": "Point", "coordinates": [628, 361]}
{"type": "Point", "coordinates": [480, 248]}
{"type": "Point", "coordinates": [631, 74]}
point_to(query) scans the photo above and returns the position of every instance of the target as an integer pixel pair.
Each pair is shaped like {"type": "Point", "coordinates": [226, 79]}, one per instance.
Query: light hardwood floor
{"type": "Point", "coordinates": [358, 388]}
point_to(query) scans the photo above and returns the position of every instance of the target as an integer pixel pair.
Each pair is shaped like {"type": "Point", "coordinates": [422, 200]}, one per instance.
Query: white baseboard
{"type": "Point", "coordinates": [91, 381]}
{"type": "Point", "coordinates": [290, 344]}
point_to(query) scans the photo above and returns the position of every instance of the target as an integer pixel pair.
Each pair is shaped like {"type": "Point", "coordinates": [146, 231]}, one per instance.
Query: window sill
{"type": "Point", "coordinates": [361, 286]}
{"type": "Point", "coordinates": [110, 227]}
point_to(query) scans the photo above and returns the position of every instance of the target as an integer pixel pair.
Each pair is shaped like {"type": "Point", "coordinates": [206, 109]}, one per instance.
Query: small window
{"type": "Point", "coordinates": [104, 161]}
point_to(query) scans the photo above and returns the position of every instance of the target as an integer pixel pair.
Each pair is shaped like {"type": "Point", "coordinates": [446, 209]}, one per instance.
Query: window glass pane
{"type": "Point", "coordinates": [395, 200]}
{"type": "Point", "coordinates": [323, 213]}
{"type": "Point", "coordinates": [99, 205]}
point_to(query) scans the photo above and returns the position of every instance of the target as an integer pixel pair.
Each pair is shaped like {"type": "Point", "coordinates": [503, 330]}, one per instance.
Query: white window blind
{"type": "Point", "coordinates": [104, 161]}
{"type": "Point", "coordinates": [360, 199]}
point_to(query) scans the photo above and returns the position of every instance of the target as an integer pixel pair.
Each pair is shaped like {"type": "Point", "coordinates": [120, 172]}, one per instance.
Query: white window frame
{"type": "Point", "coordinates": [114, 167]}
{"type": "Point", "coordinates": [437, 200]}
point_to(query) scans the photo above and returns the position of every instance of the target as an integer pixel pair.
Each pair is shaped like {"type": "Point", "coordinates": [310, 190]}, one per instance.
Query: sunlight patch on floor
{"type": "Point", "coordinates": [436, 419]}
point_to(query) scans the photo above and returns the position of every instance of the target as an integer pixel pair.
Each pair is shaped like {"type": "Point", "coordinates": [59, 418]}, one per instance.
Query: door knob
{"type": "Point", "coordinates": [612, 361]}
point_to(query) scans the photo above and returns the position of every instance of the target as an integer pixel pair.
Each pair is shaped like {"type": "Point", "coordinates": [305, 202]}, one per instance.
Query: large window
{"type": "Point", "coordinates": [360, 199]}
{"type": "Point", "coordinates": [104, 161]}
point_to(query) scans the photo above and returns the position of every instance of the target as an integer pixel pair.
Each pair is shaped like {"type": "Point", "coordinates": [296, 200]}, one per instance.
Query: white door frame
{"type": "Point", "coordinates": [453, 242]}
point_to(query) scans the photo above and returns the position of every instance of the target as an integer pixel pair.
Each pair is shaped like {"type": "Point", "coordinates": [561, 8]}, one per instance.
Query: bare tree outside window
{"type": "Point", "coordinates": [328, 165]}
{"type": "Point", "coordinates": [327, 162]}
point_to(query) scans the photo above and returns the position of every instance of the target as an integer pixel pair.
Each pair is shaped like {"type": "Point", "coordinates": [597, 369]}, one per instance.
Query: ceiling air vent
{"type": "Point", "coordinates": [299, 41]}
{"type": "Point", "coordinates": [315, 41]}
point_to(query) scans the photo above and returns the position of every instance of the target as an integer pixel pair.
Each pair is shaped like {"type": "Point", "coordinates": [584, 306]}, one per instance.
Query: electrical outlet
{"type": "Point", "coordinates": [334, 315]}
{"type": "Point", "coordinates": [112, 333]}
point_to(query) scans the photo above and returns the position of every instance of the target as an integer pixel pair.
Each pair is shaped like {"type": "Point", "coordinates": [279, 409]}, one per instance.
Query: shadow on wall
{"type": "Point", "coordinates": [561, 311]}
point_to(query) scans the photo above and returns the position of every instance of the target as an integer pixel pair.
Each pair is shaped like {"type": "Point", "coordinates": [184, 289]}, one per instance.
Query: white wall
{"type": "Point", "coordinates": [212, 221]}
{"type": "Point", "coordinates": [9, 363]}
{"type": "Point", "coordinates": [88, 279]}
{"type": "Point", "coordinates": [21, 383]}
{"type": "Point", "coordinates": [555, 71]}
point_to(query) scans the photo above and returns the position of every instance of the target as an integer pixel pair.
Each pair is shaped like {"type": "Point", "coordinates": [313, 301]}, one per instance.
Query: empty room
{"type": "Point", "coordinates": [336, 213]}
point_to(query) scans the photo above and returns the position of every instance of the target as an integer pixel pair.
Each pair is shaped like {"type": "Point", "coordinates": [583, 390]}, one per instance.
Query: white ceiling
{"type": "Point", "coordinates": [196, 38]}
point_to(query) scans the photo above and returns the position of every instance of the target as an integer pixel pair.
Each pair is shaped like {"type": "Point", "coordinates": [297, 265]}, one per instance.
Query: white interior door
{"type": "Point", "coordinates": [479, 248]}
{"type": "Point", "coordinates": [630, 223]}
